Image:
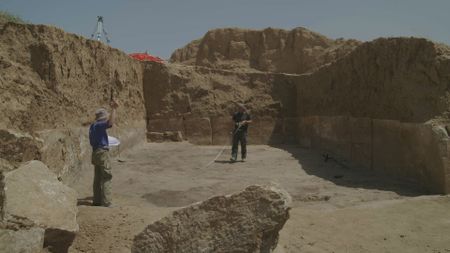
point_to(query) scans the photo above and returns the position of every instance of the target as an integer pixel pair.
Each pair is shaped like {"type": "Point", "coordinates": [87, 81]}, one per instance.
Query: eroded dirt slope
{"type": "Point", "coordinates": [273, 50]}
{"type": "Point", "coordinates": [50, 79]}
{"type": "Point", "coordinates": [51, 83]}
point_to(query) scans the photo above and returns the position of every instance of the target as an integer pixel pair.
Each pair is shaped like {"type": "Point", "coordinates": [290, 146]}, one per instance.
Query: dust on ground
{"type": "Point", "coordinates": [335, 209]}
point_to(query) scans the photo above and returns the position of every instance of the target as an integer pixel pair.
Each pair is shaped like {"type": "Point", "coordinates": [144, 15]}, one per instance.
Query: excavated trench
{"type": "Point", "coordinates": [379, 111]}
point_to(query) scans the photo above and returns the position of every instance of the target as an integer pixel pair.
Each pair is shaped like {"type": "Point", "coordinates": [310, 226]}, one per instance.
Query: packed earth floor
{"type": "Point", "coordinates": [334, 208]}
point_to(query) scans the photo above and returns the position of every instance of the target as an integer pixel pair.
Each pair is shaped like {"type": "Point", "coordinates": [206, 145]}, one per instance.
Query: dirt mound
{"type": "Point", "coordinates": [50, 79]}
{"type": "Point", "coordinates": [273, 50]}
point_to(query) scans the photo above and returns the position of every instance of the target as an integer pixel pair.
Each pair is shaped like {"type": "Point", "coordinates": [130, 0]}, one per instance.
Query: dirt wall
{"type": "Point", "coordinates": [410, 151]}
{"type": "Point", "coordinates": [51, 79]}
{"type": "Point", "coordinates": [402, 79]}
{"type": "Point", "coordinates": [51, 83]}
{"type": "Point", "coordinates": [199, 102]}
{"type": "Point", "coordinates": [383, 107]}
{"type": "Point", "coordinates": [229, 65]}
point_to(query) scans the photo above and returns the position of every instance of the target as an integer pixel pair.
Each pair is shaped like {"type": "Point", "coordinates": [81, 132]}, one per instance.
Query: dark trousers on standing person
{"type": "Point", "coordinates": [239, 137]}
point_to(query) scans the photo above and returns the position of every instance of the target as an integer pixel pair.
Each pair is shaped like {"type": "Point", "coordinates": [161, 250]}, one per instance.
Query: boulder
{"type": "Point", "coordinates": [248, 221]}
{"type": "Point", "coordinates": [34, 193]}
{"type": "Point", "coordinates": [22, 241]}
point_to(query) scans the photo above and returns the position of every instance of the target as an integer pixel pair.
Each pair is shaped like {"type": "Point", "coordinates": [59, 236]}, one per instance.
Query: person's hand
{"type": "Point", "coordinates": [114, 104]}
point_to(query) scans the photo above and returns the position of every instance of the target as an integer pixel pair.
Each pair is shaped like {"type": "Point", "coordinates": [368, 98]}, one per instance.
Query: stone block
{"type": "Point", "coordinates": [34, 193]}
{"type": "Point", "coordinates": [30, 240]}
{"type": "Point", "coordinates": [248, 221]}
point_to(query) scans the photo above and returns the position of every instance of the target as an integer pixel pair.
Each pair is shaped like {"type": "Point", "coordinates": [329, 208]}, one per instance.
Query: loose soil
{"type": "Point", "coordinates": [335, 209]}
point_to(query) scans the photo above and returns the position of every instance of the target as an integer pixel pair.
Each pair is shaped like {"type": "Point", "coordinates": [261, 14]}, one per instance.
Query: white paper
{"type": "Point", "coordinates": [113, 141]}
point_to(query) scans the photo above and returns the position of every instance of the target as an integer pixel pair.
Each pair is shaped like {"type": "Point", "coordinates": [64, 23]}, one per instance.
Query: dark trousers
{"type": "Point", "coordinates": [240, 136]}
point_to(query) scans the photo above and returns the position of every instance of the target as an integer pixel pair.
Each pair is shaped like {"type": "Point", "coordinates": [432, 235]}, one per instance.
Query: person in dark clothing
{"type": "Point", "coordinates": [241, 120]}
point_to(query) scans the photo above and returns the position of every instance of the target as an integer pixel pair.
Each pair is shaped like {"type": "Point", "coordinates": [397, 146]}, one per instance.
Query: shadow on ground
{"type": "Point", "coordinates": [317, 164]}
{"type": "Point", "coordinates": [228, 161]}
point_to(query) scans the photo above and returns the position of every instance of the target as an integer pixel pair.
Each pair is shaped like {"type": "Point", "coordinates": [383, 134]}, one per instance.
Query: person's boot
{"type": "Point", "coordinates": [111, 205]}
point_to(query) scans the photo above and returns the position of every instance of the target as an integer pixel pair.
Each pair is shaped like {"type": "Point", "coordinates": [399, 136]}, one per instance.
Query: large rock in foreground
{"type": "Point", "coordinates": [248, 221]}
{"type": "Point", "coordinates": [21, 241]}
{"type": "Point", "coordinates": [33, 192]}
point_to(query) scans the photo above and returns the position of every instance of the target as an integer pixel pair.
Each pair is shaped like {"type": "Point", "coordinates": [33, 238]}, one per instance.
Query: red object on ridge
{"type": "Point", "coordinates": [146, 57]}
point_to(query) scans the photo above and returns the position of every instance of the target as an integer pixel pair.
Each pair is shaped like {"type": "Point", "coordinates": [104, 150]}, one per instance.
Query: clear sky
{"type": "Point", "coordinates": [161, 26]}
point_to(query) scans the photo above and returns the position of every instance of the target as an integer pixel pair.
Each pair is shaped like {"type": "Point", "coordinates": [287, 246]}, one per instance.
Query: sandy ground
{"type": "Point", "coordinates": [335, 209]}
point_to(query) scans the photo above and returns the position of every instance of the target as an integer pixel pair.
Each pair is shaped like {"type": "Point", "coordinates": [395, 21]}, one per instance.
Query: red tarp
{"type": "Point", "coordinates": [146, 57]}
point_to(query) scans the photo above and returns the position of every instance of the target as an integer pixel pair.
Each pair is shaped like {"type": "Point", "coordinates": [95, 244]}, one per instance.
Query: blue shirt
{"type": "Point", "coordinates": [97, 134]}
